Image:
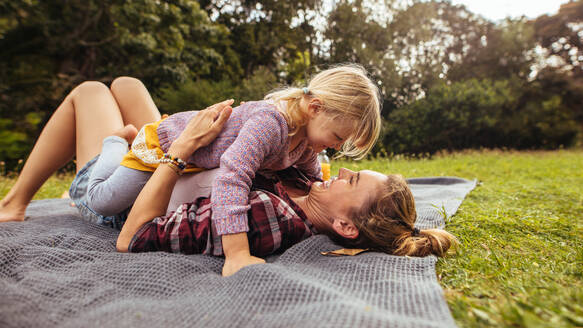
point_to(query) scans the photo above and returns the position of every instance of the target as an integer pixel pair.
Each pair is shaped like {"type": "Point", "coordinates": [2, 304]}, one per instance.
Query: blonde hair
{"type": "Point", "coordinates": [386, 224]}
{"type": "Point", "coordinates": [346, 92]}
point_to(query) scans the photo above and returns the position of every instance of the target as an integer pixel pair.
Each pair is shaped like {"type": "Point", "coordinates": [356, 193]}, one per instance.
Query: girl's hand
{"type": "Point", "coordinates": [202, 129]}
{"type": "Point", "coordinates": [236, 263]}
{"type": "Point", "coordinates": [237, 254]}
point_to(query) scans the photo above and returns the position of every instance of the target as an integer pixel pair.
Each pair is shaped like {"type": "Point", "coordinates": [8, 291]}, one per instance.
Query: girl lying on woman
{"type": "Point", "coordinates": [72, 129]}
{"type": "Point", "coordinates": [363, 209]}
{"type": "Point", "coordinates": [338, 109]}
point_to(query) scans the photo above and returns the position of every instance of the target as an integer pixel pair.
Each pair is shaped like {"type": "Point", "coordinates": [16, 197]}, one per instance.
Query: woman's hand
{"type": "Point", "coordinates": [201, 130]}
{"type": "Point", "coordinates": [154, 197]}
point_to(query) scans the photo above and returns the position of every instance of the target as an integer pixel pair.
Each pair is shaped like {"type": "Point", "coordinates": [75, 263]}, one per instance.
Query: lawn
{"type": "Point", "coordinates": [520, 258]}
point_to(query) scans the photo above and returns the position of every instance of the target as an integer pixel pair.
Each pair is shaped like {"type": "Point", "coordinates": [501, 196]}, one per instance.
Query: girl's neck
{"type": "Point", "coordinates": [297, 138]}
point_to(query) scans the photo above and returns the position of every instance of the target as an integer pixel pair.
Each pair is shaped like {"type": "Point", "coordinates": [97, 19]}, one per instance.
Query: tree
{"type": "Point", "coordinates": [562, 35]}
{"type": "Point", "coordinates": [354, 37]}
{"type": "Point", "coordinates": [49, 46]}
{"type": "Point", "coordinates": [500, 53]}
{"type": "Point", "coordinates": [481, 113]}
{"type": "Point", "coordinates": [408, 49]}
{"type": "Point", "coordinates": [267, 33]}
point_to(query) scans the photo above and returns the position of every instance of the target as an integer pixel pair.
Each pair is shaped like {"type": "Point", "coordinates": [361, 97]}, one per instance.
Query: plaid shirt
{"type": "Point", "coordinates": [275, 222]}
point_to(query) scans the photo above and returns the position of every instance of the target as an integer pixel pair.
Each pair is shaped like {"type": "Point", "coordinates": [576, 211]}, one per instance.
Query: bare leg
{"type": "Point", "coordinates": [86, 116]}
{"type": "Point", "coordinates": [134, 101]}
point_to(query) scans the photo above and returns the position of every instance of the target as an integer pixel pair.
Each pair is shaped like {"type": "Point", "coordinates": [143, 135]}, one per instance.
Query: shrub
{"type": "Point", "coordinates": [480, 113]}
{"type": "Point", "coordinates": [199, 94]}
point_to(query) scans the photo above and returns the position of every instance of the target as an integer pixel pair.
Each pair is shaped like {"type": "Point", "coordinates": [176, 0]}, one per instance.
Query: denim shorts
{"type": "Point", "coordinates": [78, 193]}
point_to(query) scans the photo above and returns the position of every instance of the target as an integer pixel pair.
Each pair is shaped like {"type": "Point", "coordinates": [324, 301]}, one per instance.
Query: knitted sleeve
{"type": "Point", "coordinates": [261, 135]}
{"type": "Point", "coordinates": [309, 164]}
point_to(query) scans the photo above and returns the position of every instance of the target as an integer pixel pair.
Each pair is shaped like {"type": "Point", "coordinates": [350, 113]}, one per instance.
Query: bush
{"type": "Point", "coordinates": [194, 95]}
{"type": "Point", "coordinates": [480, 113]}
{"type": "Point", "coordinates": [15, 140]}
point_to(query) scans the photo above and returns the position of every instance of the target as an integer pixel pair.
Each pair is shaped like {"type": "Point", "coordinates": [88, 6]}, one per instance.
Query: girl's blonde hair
{"type": "Point", "coordinates": [346, 92]}
{"type": "Point", "coordinates": [386, 224]}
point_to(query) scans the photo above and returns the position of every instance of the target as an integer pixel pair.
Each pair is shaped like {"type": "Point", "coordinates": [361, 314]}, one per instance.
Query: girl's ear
{"type": "Point", "coordinates": [314, 106]}
{"type": "Point", "coordinates": [345, 228]}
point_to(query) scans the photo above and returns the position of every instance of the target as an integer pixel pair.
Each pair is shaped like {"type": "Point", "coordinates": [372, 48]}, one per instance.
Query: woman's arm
{"type": "Point", "coordinates": [154, 197]}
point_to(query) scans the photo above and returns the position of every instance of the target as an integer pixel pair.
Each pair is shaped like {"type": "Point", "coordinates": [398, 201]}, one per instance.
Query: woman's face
{"type": "Point", "coordinates": [339, 196]}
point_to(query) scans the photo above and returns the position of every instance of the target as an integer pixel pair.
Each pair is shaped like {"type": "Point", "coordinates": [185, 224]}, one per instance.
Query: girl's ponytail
{"type": "Point", "coordinates": [293, 113]}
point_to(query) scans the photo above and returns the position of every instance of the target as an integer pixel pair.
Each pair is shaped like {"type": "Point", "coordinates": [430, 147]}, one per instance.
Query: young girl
{"type": "Point", "coordinates": [338, 109]}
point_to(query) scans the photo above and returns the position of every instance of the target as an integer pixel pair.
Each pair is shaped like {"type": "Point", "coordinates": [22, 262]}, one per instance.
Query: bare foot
{"type": "Point", "coordinates": [11, 212]}
{"type": "Point", "coordinates": [128, 132]}
{"type": "Point", "coordinates": [66, 195]}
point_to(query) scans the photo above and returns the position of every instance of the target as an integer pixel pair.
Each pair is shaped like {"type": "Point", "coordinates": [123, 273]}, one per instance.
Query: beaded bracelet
{"type": "Point", "coordinates": [167, 158]}
{"type": "Point", "coordinates": [174, 168]}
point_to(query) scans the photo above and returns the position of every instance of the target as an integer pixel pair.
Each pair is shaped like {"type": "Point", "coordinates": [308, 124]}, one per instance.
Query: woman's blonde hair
{"type": "Point", "coordinates": [346, 92]}
{"type": "Point", "coordinates": [386, 224]}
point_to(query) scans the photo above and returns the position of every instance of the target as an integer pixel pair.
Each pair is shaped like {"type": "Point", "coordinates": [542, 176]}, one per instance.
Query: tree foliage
{"type": "Point", "coordinates": [481, 113]}
{"type": "Point", "coordinates": [50, 46]}
{"type": "Point", "coordinates": [197, 94]}
{"type": "Point", "coordinates": [265, 33]}
{"type": "Point", "coordinates": [562, 35]}
{"type": "Point", "coordinates": [449, 78]}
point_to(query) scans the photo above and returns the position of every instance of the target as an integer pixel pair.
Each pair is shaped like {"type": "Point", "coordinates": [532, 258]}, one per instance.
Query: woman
{"type": "Point", "coordinates": [364, 209]}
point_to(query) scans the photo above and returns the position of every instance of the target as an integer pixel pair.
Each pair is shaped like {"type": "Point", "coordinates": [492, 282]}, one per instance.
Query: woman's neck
{"type": "Point", "coordinates": [293, 191]}
{"type": "Point", "coordinates": [314, 213]}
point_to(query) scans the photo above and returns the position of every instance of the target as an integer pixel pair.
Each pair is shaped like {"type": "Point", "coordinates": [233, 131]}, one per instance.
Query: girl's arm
{"type": "Point", "coordinates": [154, 197]}
{"type": "Point", "coordinates": [237, 253]}
{"type": "Point", "coordinates": [259, 137]}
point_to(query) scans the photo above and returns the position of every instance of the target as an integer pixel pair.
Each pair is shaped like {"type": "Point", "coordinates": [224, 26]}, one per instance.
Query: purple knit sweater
{"type": "Point", "coordinates": [254, 138]}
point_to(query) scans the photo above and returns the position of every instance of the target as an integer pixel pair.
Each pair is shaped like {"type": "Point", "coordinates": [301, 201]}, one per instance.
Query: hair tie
{"type": "Point", "coordinates": [415, 232]}
{"type": "Point", "coordinates": [305, 90]}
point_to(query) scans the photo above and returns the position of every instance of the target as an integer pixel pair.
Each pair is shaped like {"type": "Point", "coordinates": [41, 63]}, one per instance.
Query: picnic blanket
{"type": "Point", "coordinates": [57, 270]}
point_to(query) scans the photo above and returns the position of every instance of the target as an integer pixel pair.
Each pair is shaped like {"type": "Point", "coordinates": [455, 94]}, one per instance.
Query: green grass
{"type": "Point", "coordinates": [53, 188]}
{"type": "Point", "coordinates": [520, 259]}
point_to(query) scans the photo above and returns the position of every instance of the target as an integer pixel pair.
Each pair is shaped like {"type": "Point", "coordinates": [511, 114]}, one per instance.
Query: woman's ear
{"type": "Point", "coordinates": [345, 228]}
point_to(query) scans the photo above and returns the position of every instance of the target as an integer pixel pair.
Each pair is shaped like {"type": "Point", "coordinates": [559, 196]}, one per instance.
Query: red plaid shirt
{"type": "Point", "coordinates": [275, 223]}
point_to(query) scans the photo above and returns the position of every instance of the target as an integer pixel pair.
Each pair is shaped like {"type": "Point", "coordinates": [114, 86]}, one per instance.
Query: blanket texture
{"type": "Point", "coordinates": [56, 270]}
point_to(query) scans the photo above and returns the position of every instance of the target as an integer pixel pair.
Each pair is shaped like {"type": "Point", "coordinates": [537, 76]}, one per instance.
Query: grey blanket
{"type": "Point", "coordinates": [57, 270]}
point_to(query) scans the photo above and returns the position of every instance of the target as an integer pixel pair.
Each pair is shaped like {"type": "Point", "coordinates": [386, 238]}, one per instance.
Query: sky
{"type": "Point", "coordinates": [499, 9]}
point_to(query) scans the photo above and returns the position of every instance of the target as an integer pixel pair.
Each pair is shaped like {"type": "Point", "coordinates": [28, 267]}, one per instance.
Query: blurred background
{"type": "Point", "coordinates": [453, 75]}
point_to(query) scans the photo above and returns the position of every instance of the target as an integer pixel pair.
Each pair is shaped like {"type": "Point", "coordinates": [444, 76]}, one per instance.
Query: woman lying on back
{"type": "Point", "coordinates": [378, 214]}
{"type": "Point", "coordinates": [363, 209]}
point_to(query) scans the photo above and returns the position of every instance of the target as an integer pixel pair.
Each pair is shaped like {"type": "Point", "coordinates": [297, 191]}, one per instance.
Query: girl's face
{"type": "Point", "coordinates": [323, 131]}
